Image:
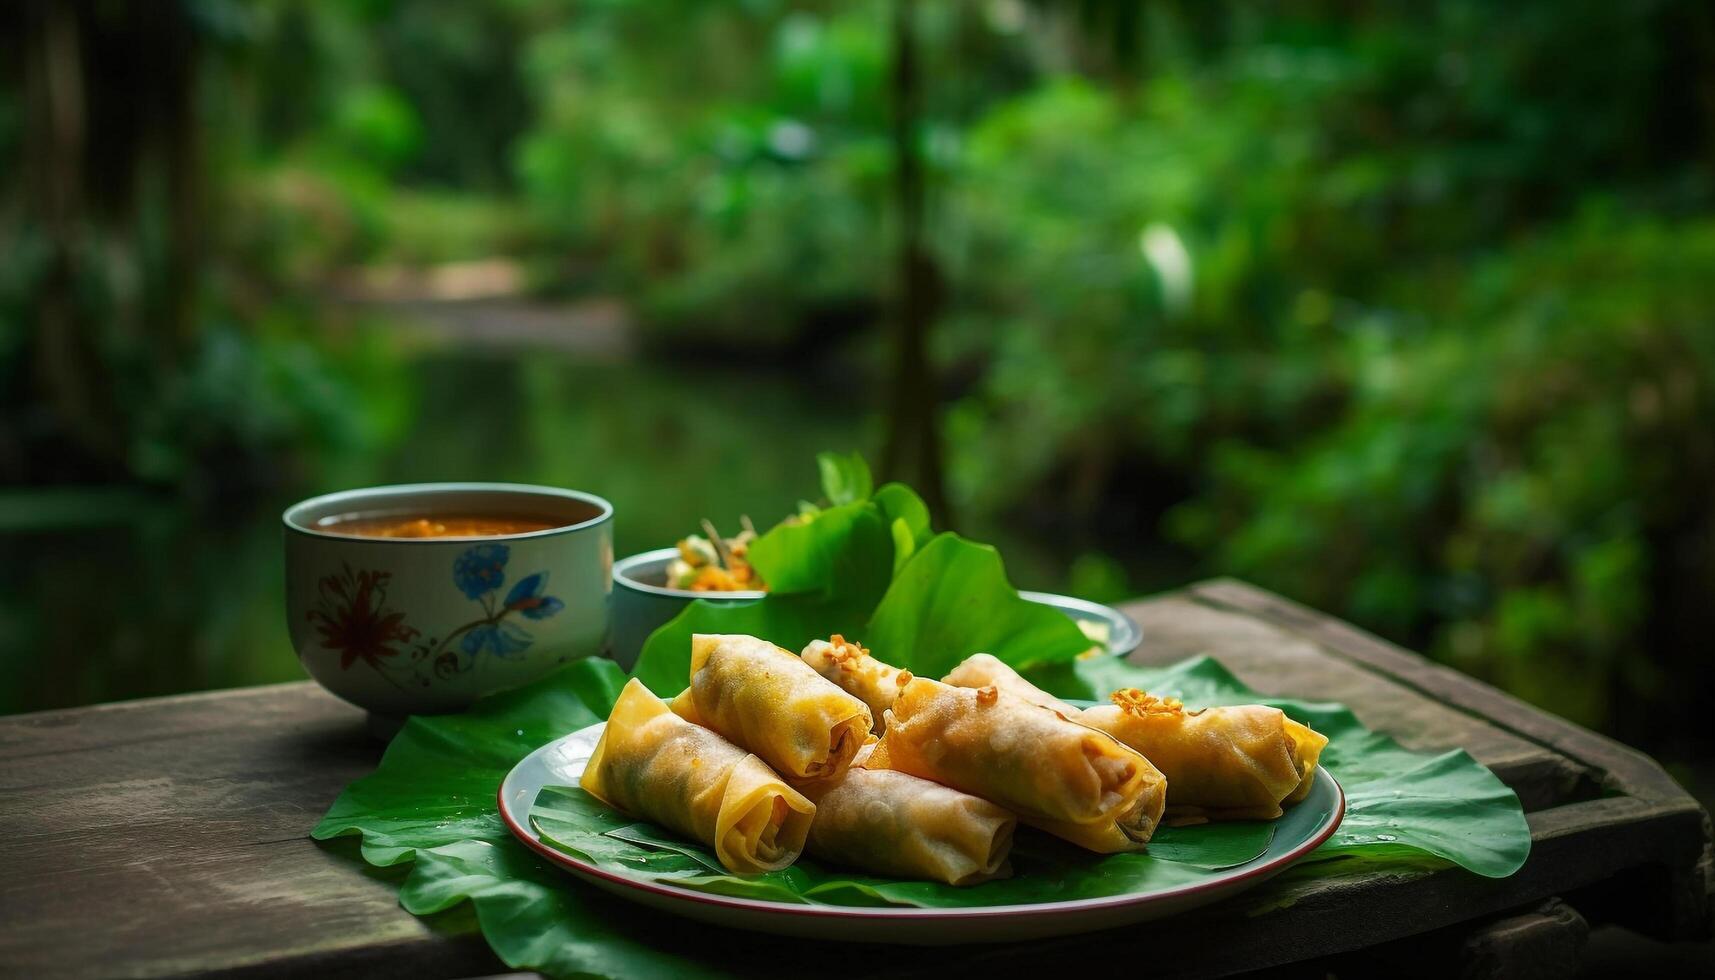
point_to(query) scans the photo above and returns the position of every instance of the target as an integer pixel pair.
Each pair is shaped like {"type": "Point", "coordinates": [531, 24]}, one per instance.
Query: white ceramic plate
{"type": "Point", "coordinates": [561, 762]}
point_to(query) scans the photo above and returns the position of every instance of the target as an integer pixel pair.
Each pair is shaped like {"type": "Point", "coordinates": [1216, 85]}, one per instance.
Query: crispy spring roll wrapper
{"type": "Point", "coordinates": [1230, 763]}
{"type": "Point", "coordinates": [892, 823]}
{"type": "Point", "coordinates": [653, 764]}
{"type": "Point", "coordinates": [984, 670]}
{"type": "Point", "coordinates": [1251, 730]}
{"type": "Point", "coordinates": [980, 670]}
{"type": "Point", "coordinates": [857, 673]}
{"type": "Point", "coordinates": [1128, 834]}
{"type": "Point", "coordinates": [1307, 745]}
{"type": "Point", "coordinates": [685, 708]}
{"type": "Point", "coordinates": [1066, 778]}
{"type": "Point", "coordinates": [770, 702]}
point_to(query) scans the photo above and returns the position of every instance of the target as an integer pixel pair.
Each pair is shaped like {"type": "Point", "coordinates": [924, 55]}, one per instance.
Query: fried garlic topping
{"type": "Point", "coordinates": [1141, 703]}
{"type": "Point", "coordinates": [845, 652]}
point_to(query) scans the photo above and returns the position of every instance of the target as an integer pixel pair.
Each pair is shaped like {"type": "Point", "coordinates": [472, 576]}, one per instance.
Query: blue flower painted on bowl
{"type": "Point", "coordinates": [504, 640]}
{"type": "Point", "coordinates": [482, 568]}
{"type": "Point", "coordinates": [526, 597]}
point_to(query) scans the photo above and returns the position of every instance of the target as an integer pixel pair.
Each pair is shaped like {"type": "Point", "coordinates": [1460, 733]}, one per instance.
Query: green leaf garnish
{"type": "Point", "coordinates": [845, 477]}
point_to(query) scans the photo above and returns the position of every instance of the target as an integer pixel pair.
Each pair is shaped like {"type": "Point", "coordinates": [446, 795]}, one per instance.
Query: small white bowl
{"type": "Point", "coordinates": [642, 604]}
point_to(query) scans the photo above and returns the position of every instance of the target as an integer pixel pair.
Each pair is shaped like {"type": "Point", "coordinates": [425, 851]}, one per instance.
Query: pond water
{"type": "Point", "coordinates": [115, 594]}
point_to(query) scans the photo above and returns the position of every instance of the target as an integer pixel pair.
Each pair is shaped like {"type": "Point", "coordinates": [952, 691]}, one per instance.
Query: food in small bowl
{"type": "Point", "coordinates": [714, 563]}
{"type": "Point", "coordinates": [420, 599]}
{"type": "Point", "coordinates": [643, 601]}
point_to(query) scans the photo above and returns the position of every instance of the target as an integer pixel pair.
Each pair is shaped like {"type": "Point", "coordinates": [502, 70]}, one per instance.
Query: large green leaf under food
{"type": "Point", "coordinates": [1047, 870]}
{"type": "Point", "coordinates": [1446, 804]}
{"type": "Point", "coordinates": [432, 802]}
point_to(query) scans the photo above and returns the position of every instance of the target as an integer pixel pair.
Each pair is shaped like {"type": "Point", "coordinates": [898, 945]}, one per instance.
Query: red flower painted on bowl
{"type": "Point", "coordinates": [351, 616]}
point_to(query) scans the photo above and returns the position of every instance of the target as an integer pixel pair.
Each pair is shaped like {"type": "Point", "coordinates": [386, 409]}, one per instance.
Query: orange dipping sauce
{"type": "Point", "coordinates": [435, 526]}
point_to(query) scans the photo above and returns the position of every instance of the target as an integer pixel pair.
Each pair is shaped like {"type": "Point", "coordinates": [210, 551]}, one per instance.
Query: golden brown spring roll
{"type": "Point", "coordinates": [1307, 746]}
{"type": "Point", "coordinates": [1228, 763]}
{"type": "Point", "coordinates": [983, 670]}
{"type": "Point", "coordinates": [857, 673]}
{"type": "Point", "coordinates": [1068, 779]}
{"type": "Point", "coordinates": [1129, 832]}
{"type": "Point", "coordinates": [770, 702]}
{"type": "Point", "coordinates": [893, 823]}
{"type": "Point", "coordinates": [653, 764]}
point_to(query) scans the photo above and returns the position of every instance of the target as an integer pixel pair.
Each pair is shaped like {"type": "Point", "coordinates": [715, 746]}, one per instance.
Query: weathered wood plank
{"type": "Point", "coordinates": [1623, 768]}
{"type": "Point", "coordinates": [168, 837]}
{"type": "Point", "coordinates": [1303, 918]}
{"type": "Point", "coordinates": [1617, 768]}
{"type": "Point", "coordinates": [1282, 664]}
{"type": "Point", "coordinates": [1541, 944]}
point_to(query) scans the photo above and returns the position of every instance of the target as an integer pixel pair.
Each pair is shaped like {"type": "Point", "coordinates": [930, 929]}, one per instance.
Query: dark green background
{"type": "Point", "coordinates": [1403, 310]}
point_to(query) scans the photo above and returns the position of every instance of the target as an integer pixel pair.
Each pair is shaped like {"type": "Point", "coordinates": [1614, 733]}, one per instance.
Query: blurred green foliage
{"type": "Point", "coordinates": [736, 200]}
{"type": "Point", "coordinates": [1403, 313]}
{"type": "Point", "coordinates": [1401, 310]}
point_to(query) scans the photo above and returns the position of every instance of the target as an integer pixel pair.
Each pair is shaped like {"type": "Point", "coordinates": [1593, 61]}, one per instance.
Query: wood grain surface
{"type": "Point", "coordinates": [169, 837]}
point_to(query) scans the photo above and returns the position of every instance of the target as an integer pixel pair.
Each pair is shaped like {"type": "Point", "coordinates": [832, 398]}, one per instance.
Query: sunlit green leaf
{"type": "Point", "coordinates": [845, 477]}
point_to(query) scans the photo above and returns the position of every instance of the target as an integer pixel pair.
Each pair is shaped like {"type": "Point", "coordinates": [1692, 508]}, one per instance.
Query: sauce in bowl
{"type": "Point", "coordinates": [434, 525]}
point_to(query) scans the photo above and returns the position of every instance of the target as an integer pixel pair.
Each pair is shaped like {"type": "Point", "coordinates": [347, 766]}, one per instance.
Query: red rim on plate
{"type": "Point", "coordinates": [872, 914]}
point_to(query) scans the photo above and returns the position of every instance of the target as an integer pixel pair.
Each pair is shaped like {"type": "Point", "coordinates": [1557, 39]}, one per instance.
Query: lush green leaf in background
{"type": "Point", "coordinates": [845, 477]}
{"type": "Point", "coordinates": [826, 569]}
{"type": "Point", "coordinates": [952, 599]}
{"type": "Point", "coordinates": [848, 548]}
{"type": "Point", "coordinates": [908, 520]}
{"type": "Point", "coordinates": [900, 504]}
{"type": "Point", "coordinates": [830, 573]}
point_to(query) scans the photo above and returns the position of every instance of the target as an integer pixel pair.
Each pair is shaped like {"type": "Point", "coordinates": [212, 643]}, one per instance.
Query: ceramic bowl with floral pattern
{"type": "Point", "coordinates": [419, 599]}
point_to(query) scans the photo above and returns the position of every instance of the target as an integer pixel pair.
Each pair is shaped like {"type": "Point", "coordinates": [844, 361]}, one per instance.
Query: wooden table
{"type": "Point", "coordinates": [170, 836]}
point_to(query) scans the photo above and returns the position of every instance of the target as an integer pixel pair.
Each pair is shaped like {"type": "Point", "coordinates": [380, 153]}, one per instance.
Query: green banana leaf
{"type": "Point", "coordinates": [431, 802]}
{"type": "Point", "coordinates": [1048, 870]}
{"type": "Point", "coordinates": [869, 567]}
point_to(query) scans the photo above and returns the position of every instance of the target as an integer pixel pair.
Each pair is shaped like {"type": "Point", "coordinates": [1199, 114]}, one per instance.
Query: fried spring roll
{"type": "Point", "coordinates": [857, 673]}
{"type": "Point", "coordinates": [1307, 746]}
{"type": "Point", "coordinates": [1230, 763]}
{"type": "Point", "coordinates": [1063, 777]}
{"type": "Point", "coordinates": [1240, 757]}
{"type": "Point", "coordinates": [893, 823]}
{"type": "Point", "coordinates": [983, 670]}
{"type": "Point", "coordinates": [653, 764]}
{"type": "Point", "coordinates": [770, 702]}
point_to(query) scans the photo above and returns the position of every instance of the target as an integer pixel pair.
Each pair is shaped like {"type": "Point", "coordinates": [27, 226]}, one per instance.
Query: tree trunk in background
{"type": "Point", "coordinates": [70, 374]}
{"type": "Point", "coordinates": [182, 157]}
{"type": "Point", "coordinates": [110, 93]}
{"type": "Point", "coordinates": [912, 452]}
